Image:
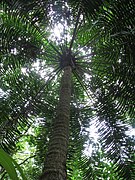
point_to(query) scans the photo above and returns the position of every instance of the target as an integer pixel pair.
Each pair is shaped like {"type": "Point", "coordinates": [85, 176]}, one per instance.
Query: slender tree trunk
{"type": "Point", "coordinates": [55, 164]}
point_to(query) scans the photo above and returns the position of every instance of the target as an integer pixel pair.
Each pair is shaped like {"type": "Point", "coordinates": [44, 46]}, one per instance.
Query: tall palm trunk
{"type": "Point", "coordinates": [55, 164]}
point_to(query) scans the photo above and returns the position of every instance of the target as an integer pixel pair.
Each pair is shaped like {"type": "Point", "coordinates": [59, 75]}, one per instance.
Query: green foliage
{"type": "Point", "coordinates": [11, 166]}
{"type": "Point", "coordinates": [101, 52]}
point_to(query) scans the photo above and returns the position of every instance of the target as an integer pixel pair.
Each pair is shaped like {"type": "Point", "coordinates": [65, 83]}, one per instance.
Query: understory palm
{"type": "Point", "coordinates": [86, 76]}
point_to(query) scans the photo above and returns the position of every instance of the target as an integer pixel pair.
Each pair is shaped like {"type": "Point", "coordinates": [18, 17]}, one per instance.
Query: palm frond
{"type": "Point", "coordinates": [29, 102]}
{"type": "Point", "coordinates": [89, 8]}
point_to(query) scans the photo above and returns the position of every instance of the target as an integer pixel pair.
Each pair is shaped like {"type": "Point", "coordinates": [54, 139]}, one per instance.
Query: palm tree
{"type": "Point", "coordinates": [109, 63]}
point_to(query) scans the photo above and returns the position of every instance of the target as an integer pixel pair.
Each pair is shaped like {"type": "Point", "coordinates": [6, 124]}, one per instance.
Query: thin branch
{"type": "Point", "coordinates": [27, 159]}
{"type": "Point", "coordinates": [75, 29]}
{"type": "Point", "coordinates": [83, 85]}
{"type": "Point", "coordinates": [55, 49]}
{"type": "Point", "coordinates": [85, 56]}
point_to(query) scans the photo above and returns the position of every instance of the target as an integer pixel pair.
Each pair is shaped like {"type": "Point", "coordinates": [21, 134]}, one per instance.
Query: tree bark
{"type": "Point", "coordinates": [55, 163]}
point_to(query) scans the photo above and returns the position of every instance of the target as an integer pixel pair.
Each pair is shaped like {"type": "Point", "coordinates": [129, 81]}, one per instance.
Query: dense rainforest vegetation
{"type": "Point", "coordinates": [67, 89]}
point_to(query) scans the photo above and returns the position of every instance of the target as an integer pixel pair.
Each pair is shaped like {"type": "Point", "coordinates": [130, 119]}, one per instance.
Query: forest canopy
{"type": "Point", "coordinates": [67, 70]}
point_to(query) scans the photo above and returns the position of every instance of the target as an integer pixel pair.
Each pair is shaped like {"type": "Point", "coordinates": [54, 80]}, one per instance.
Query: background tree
{"type": "Point", "coordinates": [100, 52]}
